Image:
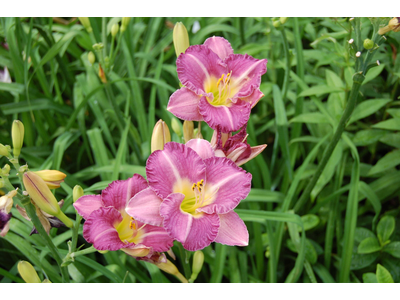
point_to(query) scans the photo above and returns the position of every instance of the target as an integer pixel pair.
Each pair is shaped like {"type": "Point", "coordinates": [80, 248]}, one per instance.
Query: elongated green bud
{"type": "Point", "coordinates": [52, 178]}
{"type": "Point", "coordinates": [4, 151]}
{"type": "Point", "coordinates": [17, 133]}
{"type": "Point", "coordinates": [114, 29]}
{"type": "Point", "coordinates": [160, 136]}
{"type": "Point", "coordinates": [198, 260]}
{"type": "Point", "coordinates": [181, 38]}
{"type": "Point", "coordinates": [188, 130]}
{"type": "Point", "coordinates": [176, 126]}
{"type": "Point", "coordinates": [27, 272]}
{"type": "Point", "coordinates": [86, 23]}
{"type": "Point", "coordinates": [125, 22]}
{"type": "Point", "coordinates": [77, 192]}
{"type": "Point", "coordinates": [170, 268]}
{"type": "Point", "coordinates": [283, 20]}
{"type": "Point", "coordinates": [368, 44]}
{"type": "Point", "coordinates": [91, 57]}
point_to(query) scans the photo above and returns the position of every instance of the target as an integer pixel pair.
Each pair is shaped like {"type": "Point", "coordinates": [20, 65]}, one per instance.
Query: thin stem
{"type": "Point", "coordinates": [287, 58]}
{"type": "Point", "coordinates": [75, 231]}
{"type": "Point", "coordinates": [185, 263]}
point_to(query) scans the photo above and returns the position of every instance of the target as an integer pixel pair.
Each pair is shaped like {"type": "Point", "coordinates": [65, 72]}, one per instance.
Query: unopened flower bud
{"type": "Point", "coordinates": [98, 46]}
{"type": "Point", "coordinates": [102, 75]}
{"type": "Point", "coordinates": [358, 54]}
{"type": "Point", "coordinates": [86, 23]}
{"type": "Point", "coordinates": [43, 197]}
{"type": "Point", "coordinates": [368, 44]}
{"type": "Point", "coordinates": [176, 126]}
{"type": "Point", "coordinates": [125, 22]}
{"type": "Point", "coordinates": [5, 171]}
{"type": "Point", "coordinates": [170, 268]}
{"type": "Point", "coordinates": [114, 29]}
{"type": "Point", "coordinates": [160, 136]}
{"type": "Point", "coordinates": [394, 25]}
{"type": "Point", "coordinates": [52, 178]}
{"type": "Point", "coordinates": [198, 260]}
{"type": "Point", "coordinates": [283, 20]}
{"type": "Point", "coordinates": [181, 38]}
{"type": "Point", "coordinates": [17, 133]}
{"type": "Point", "coordinates": [77, 192]}
{"type": "Point", "coordinates": [4, 150]}
{"type": "Point", "coordinates": [91, 57]}
{"type": "Point", "coordinates": [6, 201]}
{"type": "Point", "coordinates": [27, 272]}
{"type": "Point", "coordinates": [276, 24]}
{"type": "Point", "coordinates": [188, 130]}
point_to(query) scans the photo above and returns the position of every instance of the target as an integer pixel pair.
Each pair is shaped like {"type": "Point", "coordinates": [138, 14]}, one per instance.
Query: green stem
{"type": "Point", "coordinates": [351, 104]}
{"type": "Point", "coordinates": [84, 252]}
{"type": "Point", "coordinates": [185, 263]}
{"type": "Point", "coordinates": [75, 231]}
{"type": "Point", "coordinates": [287, 58]}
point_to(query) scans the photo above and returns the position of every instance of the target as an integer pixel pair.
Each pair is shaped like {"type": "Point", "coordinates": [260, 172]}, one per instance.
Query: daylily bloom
{"type": "Point", "coordinates": [109, 227]}
{"type": "Point", "coordinates": [48, 221]}
{"type": "Point", "coordinates": [192, 194]}
{"type": "Point", "coordinates": [219, 87]}
{"type": "Point", "coordinates": [235, 147]}
{"type": "Point", "coordinates": [6, 203]}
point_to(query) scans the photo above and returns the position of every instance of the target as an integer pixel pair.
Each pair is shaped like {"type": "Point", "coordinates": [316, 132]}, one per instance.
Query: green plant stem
{"type": "Point", "coordinates": [84, 251]}
{"type": "Point", "coordinates": [351, 104]}
{"type": "Point", "coordinates": [287, 59]}
{"type": "Point", "coordinates": [185, 262]}
{"type": "Point", "coordinates": [75, 231]}
{"type": "Point", "coordinates": [31, 212]}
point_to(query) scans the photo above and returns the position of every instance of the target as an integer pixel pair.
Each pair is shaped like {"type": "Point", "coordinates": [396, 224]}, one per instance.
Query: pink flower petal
{"type": "Point", "coordinates": [119, 192]}
{"type": "Point", "coordinates": [254, 152]}
{"type": "Point", "coordinates": [157, 238]}
{"type": "Point", "coordinates": [184, 105]}
{"type": "Point", "coordinates": [145, 207]}
{"type": "Point", "coordinates": [194, 233]}
{"type": "Point", "coordinates": [99, 229]}
{"type": "Point", "coordinates": [227, 118]}
{"type": "Point", "coordinates": [246, 72]}
{"type": "Point", "coordinates": [197, 66]}
{"type": "Point", "coordinates": [202, 147]}
{"type": "Point", "coordinates": [220, 46]}
{"type": "Point", "coordinates": [230, 184]}
{"type": "Point", "coordinates": [232, 230]}
{"type": "Point", "coordinates": [85, 205]}
{"type": "Point", "coordinates": [254, 97]}
{"type": "Point", "coordinates": [172, 167]}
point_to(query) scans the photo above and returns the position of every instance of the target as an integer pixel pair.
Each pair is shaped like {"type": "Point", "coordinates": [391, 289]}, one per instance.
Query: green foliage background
{"type": "Point", "coordinates": [96, 133]}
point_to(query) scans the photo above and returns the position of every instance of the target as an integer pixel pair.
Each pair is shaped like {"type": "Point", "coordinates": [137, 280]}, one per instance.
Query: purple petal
{"type": "Point", "coordinates": [220, 46]}
{"type": "Point", "coordinates": [232, 230]}
{"type": "Point", "coordinates": [184, 105]}
{"type": "Point", "coordinates": [138, 251]}
{"type": "Point", "coordinates": [4, 223]}
{"type": "Point", "coordinates": [197, 67]}
{"type": "Point", "coordinates": [246, 73]}
{"type": "Point", "coordinates": [194, 232]}
{"type": "Point", "coordinates": [202, 147]}
{"type": "Point", "coordinates": [119, 192]}
{"type": "Point", "coordinates": [5, 76]}
{"type": "Point", "coordinates": [85, 205]}
{"type": "Point", "coordinates": [254, 97]}
{"type": "Point", "coordinates": [254, 152]}
{"type": "Point", "coordinates": [169, 170]}
{"type": "Point", "coordinates": [230, 184]}
{"type": "Point", "coordinates": [227, 118]}
{"type": "Point", "coordinates": [99, 229]}
{"type": "Point", "coordinates": [145, 207]}
{"type": "Point", "coordinates": [157, 238]}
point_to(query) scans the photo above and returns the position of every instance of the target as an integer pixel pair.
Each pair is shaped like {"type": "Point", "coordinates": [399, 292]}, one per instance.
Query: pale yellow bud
{"type": "Point", "coordinates": [125, 22]}
{"type": "Point", "coordinates": [91, 57]}
{"type": "Point", "coordinates": [188, 130]}
{"type": "Point", "coordinates": [102, 75]}
{"type": "Point", "coordinates": [27, 272]}
{"type": "Point", "coordinates": [52, 178]}
{"type": "Point", "coordinates": [5, 171]}
{"type": "Point", "coordinates": [77, 192]}
{"type": "Point", "coordinates": [86, 23]}
{"type": "Point", "coordinates": [4, 150]}
{"type": "Point", "coordinates": [17, 133]}
{"type": "Point", "coordinates": [170, 268]}
{"type": "Point", "coordinates": [198, 260]}
{"type": "Point", "coordinates": [283, 20]}
{"type": "Point", "coordinates": [6, 202]}
{"type": "Point", "coordinates": [176, 126]}
{"type": "Point", "coordinates": [181, 38]}
{"type": "Point", "coordinates": [394, 25]}
{"type": "Point", "coordinates": [114, 29]}
{"type": "Point", "coordinates": [160, 136]}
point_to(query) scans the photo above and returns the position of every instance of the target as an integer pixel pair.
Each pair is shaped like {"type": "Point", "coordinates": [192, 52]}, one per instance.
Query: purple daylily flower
{"type": "Point", "coordinates": [235, 147]}
{"type": "Point", "coordinates": [192, 194]}
{"type": "Point", "coordinates": [6, 203]}
{"type": "Point", "coordinates": [109, 227]}
{"type": "Point", "coordinates": [219, 87]}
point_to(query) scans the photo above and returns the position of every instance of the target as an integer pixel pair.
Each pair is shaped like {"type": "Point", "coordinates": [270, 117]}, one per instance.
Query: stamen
{"type": "Point", "coordinates": [245, 138]}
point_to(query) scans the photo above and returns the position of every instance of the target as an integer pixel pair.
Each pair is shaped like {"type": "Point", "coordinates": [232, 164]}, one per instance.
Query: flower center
{"type": "Point", "coordinates": [222, 90]}
{"type": "Point", "coordinates": [128, 230]}
{"type": "Point", "coordinates": [195, 198]}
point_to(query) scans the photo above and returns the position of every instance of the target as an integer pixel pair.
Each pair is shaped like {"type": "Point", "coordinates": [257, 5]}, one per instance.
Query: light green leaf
{"type": "Point", "coordinates": [392, 139]}
{"type": "Point", "coordinates": [393, 249]}
{"type": "Point", "coordinates": [383, 275]}
{"type": "Point", "coordinates": [12, 87]}
{"type": "Point", "coordinates": [369, 278]}
{"type": "Point", "coordinates": [309, 221]}
{"type": "Point", "coordinates": [369, 245]}
{"type": "Point", "coordinates": [391, 124]}
{"type": "Point", "coordinates": [369, 136]}
{"type": "Point", "coordinates": [373, 73]}
{"type": "Point", "coordinates": [320, 90]}
{"type": "Point", "coordinates": [390, 160]}
{"type": "Point", "coordinates": [385, 228]}
{"type": "Point", "coordinates": [315, 117]}
{"type": "Point", "coordinates": [366, 108]}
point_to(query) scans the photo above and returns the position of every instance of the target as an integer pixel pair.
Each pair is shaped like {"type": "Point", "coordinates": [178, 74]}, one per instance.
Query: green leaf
{"type": "Point", "coordinates": [373, 73]}
{"type": "Point", "coordinates": [392, 139]}
{"type": "Point", "coordinates": [320, 90]}
{"type": "Point", "coordinates": [360, 261]}
{"type": "Point", "coordinates": [390, 160]}
{"type": "Point", "coordinates": [369, 136]}
{"type": "Point", "coordinates": [385, 228]}
{"type": "Point", "coordinates": [369, 278]}
{"type": "Point", "coordinates": [309, 221]}
{"type": "Point", "coordinates": [391, 124]}
{"type": "Point", "coordinates": [369, 245]}
{"type": "Point", "coordinates": [315, 117]}
{"type": "Point", "coordinates": [393, 249]}
{"type": "Point", "coordinates": [383, 275]}
{"type": "Point", "coordinates": [35, 105]}
{"type": "Point", "coordinates": [12, 87]}
{"type": "Point", "coordinates": [366, 108]}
